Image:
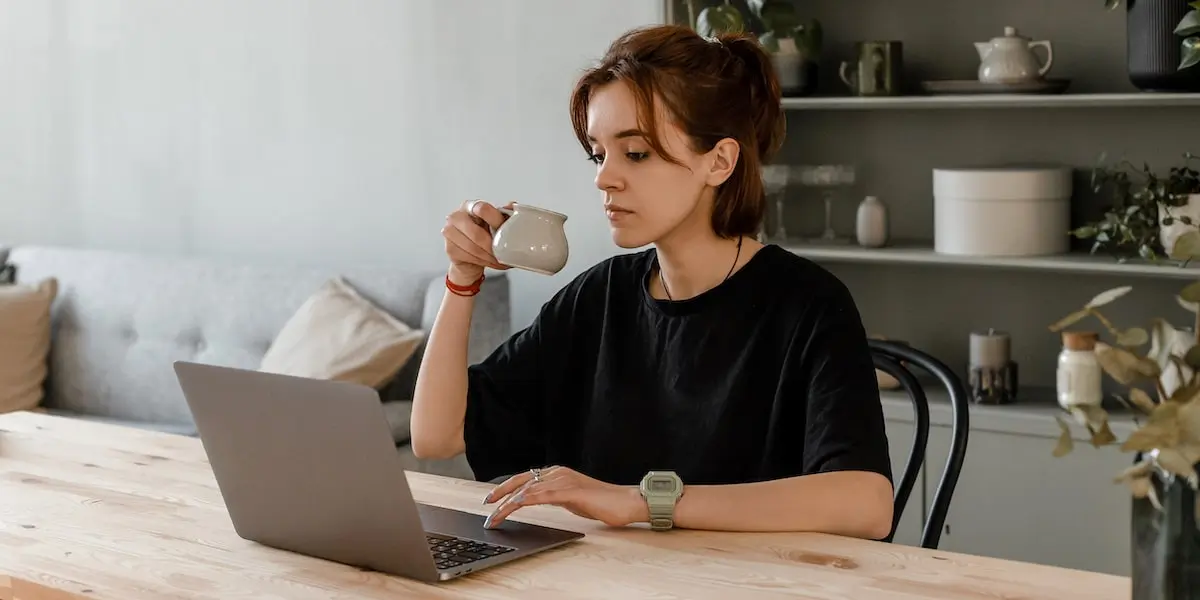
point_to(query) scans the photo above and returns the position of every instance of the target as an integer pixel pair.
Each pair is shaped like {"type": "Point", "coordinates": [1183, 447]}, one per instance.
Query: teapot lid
{"type": "Point", "coordinates": [1010, 31]}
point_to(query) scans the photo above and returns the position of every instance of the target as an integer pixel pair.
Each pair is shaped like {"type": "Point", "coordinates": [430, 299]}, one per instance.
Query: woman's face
{"type": "Point", "coordinates": [647, 197]}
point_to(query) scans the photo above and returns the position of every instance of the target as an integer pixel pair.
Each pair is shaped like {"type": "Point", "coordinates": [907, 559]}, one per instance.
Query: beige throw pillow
{"type": "Point", "coordinates": [24, 342]}
{"type": "Point", "coordinates": [340, 335]}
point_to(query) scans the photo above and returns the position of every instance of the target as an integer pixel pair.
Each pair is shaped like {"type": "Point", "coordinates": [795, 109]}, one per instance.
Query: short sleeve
{"type": "Point", "coordinates": [504, 422]}
{"type": "Point", "coordinates": [844, 424]}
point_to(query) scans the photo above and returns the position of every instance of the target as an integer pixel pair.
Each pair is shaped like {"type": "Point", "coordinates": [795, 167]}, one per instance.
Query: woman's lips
{"type": "Point", "coordinates": [616, 213]}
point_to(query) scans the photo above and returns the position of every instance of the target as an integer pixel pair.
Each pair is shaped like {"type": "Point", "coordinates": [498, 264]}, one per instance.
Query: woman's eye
{"type": "Point", "coordinates": [596, 158]}
{"type": "Point", "coordinates": [637, 156]}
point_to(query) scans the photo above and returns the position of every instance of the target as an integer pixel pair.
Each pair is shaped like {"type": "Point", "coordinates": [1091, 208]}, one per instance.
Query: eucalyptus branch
{"type": "Point", "coordinates": [1104, 321]}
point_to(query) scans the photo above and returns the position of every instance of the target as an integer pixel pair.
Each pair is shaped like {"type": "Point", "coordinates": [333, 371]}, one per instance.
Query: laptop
{"type": "Point", "coordinates": [310, 466]}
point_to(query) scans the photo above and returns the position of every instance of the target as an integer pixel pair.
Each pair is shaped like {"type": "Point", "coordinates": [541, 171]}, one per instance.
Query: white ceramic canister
{"type": "Point", "coordinates": [1020, 210]}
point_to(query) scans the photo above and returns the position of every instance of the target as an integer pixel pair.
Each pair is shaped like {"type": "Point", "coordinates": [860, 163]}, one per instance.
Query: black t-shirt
{"type": "Point", "coordinates": [765, 376]}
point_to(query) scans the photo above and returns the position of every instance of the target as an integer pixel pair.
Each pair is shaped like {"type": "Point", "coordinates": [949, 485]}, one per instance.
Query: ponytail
{"type": "Point", "coordinates": [765, 94]}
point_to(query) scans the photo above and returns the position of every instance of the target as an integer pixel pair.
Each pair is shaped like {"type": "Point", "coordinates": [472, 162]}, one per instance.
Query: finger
{"type": "Point", "coordinates": [468, 247]}
{"type": "Point", "coordinates": [478, 233]}
{"type": "Point", "coordinates": [528, 495]}
{"type": "Point", "coordinates": [509, 486]}
{"type": "Point", "coordinates": [490, 214]}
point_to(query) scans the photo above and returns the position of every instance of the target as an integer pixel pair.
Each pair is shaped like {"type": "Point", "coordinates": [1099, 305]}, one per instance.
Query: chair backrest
{"type": "Point", "coordinates": [895, 359]}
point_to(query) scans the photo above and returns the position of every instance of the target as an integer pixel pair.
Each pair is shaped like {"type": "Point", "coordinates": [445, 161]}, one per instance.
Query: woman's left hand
{"type": "Point", "coordinates": [614, 505]}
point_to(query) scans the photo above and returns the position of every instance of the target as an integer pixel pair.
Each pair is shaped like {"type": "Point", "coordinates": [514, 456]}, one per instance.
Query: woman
{"type": "Point", "coordinates": [741, 370]}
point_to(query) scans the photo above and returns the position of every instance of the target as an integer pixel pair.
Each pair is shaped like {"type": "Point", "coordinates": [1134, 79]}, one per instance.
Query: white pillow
{"type": "Point", "coordinates": [338, 334]}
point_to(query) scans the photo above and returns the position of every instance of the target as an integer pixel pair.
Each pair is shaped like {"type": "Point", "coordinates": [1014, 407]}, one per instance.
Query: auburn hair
{"type": "Point", "coordinates": [713, 88]}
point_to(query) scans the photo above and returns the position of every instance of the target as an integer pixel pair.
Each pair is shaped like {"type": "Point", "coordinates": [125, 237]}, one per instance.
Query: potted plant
{"type": "Point", "coordinates": [793, 43]}
{"type": "Point", "coordinates": [1165, 520]}
{"type": "Point", "coordinates": [1147, 212]}
{"type": "Point", "coordinates": [1163, 44]}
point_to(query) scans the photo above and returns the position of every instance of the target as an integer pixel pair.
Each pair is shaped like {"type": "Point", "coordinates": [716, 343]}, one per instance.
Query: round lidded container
{"type": "Point", "coordinates": [1009, 210]}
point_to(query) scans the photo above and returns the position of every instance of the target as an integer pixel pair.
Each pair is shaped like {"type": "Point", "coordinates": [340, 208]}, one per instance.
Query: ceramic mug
{"type": "Point", "coordinates": [532, 238]}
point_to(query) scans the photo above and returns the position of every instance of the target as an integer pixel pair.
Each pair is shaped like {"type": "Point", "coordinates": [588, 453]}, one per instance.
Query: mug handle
{"type": "Point", "coordinates": [508, 212]}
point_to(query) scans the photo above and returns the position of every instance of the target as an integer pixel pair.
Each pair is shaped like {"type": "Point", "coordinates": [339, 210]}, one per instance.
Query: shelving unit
{"type": "Point", "coordinates": [1116, 100]}
{"type": "Point", "coordinates": [923, 254]}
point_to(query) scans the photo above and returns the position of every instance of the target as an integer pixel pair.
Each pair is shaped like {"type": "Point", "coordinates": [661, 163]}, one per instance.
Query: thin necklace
{"type": "Point", "coordinates": [731, 267]}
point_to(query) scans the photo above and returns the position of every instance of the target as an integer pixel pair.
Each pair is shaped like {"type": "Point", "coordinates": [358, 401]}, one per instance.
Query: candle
{"type": "Point", "coordinates": [989, 349]}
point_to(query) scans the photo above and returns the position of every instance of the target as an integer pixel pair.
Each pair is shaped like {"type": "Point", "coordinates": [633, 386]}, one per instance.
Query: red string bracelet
{"type": "Point", "coordinates": [464, 290]}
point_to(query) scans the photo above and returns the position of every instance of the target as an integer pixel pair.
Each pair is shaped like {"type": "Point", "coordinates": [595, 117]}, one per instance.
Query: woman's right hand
{"type": "Point", "coordinates": [469, 240]}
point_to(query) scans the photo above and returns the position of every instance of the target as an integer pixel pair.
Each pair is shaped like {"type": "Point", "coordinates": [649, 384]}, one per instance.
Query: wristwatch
{"type": "Point", "coordinates": [661, 489]}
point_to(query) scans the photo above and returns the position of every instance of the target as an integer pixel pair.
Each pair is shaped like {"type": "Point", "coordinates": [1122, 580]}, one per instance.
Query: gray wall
{"type": "Point", "coordinates": [338, 131]}
{"type": "Point", "coordinates": [896, 150]}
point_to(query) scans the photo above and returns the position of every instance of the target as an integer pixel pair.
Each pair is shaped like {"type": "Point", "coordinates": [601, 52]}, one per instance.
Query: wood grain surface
{"type": "Point", "coordinates": [95, 511]}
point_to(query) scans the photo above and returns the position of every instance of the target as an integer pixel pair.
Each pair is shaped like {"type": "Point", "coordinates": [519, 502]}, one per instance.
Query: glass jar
{"type": "Point", "coordinates": [1079, 374]}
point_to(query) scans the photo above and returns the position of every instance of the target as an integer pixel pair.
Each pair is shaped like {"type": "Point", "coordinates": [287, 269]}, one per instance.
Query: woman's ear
{"type": "Point", "coordinates": [723, 159]}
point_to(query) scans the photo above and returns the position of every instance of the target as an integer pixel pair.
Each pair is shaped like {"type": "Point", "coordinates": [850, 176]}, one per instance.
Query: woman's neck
{"type": "Point", "coordinates": [693, 264]}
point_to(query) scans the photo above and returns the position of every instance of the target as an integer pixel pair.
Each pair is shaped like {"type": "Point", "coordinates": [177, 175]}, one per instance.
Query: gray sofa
{"type": "Point", "coordinates": [122, 319]}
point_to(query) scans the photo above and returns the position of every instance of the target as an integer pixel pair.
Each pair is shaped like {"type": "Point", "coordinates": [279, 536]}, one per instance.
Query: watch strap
{"type": "Point", "coordinates": [662, 511]}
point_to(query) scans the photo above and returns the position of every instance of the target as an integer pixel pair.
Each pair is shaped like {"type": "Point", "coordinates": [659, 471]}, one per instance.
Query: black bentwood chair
{"type": "Point", "coordinates": [893, 358]}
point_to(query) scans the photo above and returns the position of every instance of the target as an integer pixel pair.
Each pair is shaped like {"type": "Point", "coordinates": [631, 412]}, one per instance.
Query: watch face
{"type": "Point", "coordinates": [662, 485]}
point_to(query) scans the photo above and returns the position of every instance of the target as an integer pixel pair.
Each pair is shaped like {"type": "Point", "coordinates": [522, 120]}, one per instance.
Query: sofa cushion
{"type": "Point", "coordinates": [337, 334]}
{"type": "Point", "coordinates": [24, 342]}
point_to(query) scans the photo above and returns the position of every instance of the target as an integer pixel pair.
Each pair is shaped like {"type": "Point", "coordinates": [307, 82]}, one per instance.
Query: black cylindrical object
{"type": "Point", "coordinates": [1153, 51]}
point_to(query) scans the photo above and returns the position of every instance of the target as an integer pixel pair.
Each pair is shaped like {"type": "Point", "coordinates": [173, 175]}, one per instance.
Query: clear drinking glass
{"type": "Point", "coordinates": [775, 182]}
{"type": "Point", "coordinates": [827, 179]}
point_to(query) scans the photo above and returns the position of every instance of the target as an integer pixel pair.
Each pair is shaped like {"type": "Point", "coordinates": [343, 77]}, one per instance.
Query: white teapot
{"type": "Point", "coordinates": [1011, 59]}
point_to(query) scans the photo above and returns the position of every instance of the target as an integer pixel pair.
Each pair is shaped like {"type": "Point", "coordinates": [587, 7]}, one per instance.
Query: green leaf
{"type": "Point", "coordinates": [1191, 293]}
{"type": "Point", "coordinates": [1065, 444]}
{"type": "Point", "coordinates": [1133, 337]}
{"type": "Point", "coordinates": [1191, 52]}
{"type": "Point", "coordinates": [778, 16]}
{"type": "Point", "coordinates": [1108, 296]}
{"type": "Point", "coordinates": [716, 20]}
{"type": "Point", "coordinates": [1189, 25]}
{"type": "Point", "coordinates": [1187, 246]}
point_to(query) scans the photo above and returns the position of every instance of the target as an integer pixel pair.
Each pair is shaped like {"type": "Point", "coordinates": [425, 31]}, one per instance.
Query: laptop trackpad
{"type": "Point", "coordinates": [510, 533]}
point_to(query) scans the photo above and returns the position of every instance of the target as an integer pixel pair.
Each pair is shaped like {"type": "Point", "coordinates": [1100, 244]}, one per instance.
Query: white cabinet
{"type": "Point", "coordinates": [1014, 500]}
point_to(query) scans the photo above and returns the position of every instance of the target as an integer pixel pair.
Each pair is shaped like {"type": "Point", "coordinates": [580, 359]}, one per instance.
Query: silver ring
{"type": "Point", "coordinates": [471, 207]}
{"type": "Point", "coordinates": [537, 474]}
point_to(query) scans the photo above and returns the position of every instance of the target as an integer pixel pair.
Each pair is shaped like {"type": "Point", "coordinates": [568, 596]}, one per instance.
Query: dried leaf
{"type": "Point", "coordinates": [1125, 366]}
{"type": "Point", "coordinates": [1069, 320]}
{"type": "Point", "coordinates": [1141, 400]}
{"type": "Point", "coordinates": [1191, 293]}
{"type": "Point", "coordinates": [1188, 306]}
{"type": "Point", "coordinates": [1153, 436]}
{"type": "Point", "coordinates": [1185, 393]}
{"type": "Point", "coordinates": [1153, 496]}
{"type": "Point", "coordinates": [1102, 435]}
{"type": "Point", "coordinates": [1192, 358]}
{"type": "Point", "coordinates": [1140, 486]}
{"type": "Point", "coordinates": [1189, 421]}
{"type": "Point", "coordinates": [1108, 296]}
{"type": "Point", "coordinates": [1133, 337]}
{"type": "Point", "coordinates": [1065, 443]}
{"type": "Point", "coordinates": [1191, 452]}
{"type": "Point", "coordinates": [1139, 469]}
{"type": "Point", "coordinates": [1174, 462]}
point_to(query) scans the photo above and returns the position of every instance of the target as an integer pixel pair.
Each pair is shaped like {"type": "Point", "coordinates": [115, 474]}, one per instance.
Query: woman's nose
{"type": "Point", "coordinates": [607, 178]}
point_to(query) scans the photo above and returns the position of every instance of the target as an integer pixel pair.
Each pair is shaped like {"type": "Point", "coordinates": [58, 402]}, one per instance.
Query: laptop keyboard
{"type": "Point", "coordinates": [449, 552]}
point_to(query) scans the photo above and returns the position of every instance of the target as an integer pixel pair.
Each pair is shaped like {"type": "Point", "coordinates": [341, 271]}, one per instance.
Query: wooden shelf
{"type": "Point", "coordinates": [1121, 100]}
{"type": "Point", "coordinates": [923, 254]}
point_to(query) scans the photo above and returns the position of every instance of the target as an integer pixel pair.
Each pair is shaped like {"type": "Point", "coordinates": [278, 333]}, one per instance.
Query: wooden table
{"type": "Point", "coordinates": [99, 511]}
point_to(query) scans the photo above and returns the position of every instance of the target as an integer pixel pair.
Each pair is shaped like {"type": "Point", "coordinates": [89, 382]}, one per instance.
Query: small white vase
{"type": "Point", "coordinates": [871, 224]}
{"type": "Point", "coordinates": [1168, 234]}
